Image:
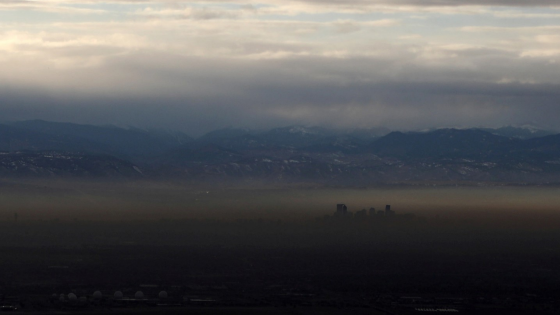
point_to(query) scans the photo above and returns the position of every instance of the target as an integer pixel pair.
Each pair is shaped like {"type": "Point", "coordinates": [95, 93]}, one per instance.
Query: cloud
{"type": "Point", "coordinates": [188, 13]}
{"type": "Point", "coordinates": [294, 7]}
{"type": "Point", "coordinates": [47, 7]}
{"type": "Point", "coordinates": [439, 3]}
{"type": "Point", "coordinates": [197, 94]}
{"type": "Point", "coordinates": [520, 3]}
{"type": "Point", "coordinates": [199, 66]}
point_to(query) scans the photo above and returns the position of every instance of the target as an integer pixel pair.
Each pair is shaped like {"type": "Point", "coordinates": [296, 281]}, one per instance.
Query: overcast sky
{"type": "Point", "coordinates": [198, 66]}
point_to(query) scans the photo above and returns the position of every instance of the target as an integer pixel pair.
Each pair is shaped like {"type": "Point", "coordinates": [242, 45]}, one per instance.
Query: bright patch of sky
{"type": "Point", "coordinates": [213, 27]}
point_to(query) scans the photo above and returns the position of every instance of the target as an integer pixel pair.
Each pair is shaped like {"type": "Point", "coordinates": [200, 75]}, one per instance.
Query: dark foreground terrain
{"type": "Point", "coordinates": [276, 250]}
{"type": "Point", "coordinates": [481, 263]}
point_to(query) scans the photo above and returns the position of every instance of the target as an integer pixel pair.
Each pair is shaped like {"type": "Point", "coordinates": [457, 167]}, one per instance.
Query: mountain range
{"type": "Point", "coordinates": [295, 154]}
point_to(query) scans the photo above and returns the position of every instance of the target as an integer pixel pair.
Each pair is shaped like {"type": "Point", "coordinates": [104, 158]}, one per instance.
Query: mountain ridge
{"type": "Point", "coordinates": [291, 154]}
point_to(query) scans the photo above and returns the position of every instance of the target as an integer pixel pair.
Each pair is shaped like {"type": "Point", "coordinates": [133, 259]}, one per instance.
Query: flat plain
{"type": "Point", "coordinates": [279, 249]}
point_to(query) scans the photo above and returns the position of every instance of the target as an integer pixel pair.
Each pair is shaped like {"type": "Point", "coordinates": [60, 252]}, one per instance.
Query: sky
{"type": "Point", "coordinates": [199, 66]}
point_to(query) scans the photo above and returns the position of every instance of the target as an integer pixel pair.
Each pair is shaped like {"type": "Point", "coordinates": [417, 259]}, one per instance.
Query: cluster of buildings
{"type": "Point", "coordinates": [97, 296]}
{"type": "Point", "coordinates": [342, 212]}
{"type": "Point", "coordinates": [119, 299]}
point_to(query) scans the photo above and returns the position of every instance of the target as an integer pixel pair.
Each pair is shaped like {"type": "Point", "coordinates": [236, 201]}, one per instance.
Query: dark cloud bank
{"type": "Point", "coordinates": [200, 95]}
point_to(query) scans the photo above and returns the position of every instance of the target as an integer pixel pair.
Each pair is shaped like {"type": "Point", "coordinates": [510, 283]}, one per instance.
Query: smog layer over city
{"type": "Point", "coordinates": [280, 157]}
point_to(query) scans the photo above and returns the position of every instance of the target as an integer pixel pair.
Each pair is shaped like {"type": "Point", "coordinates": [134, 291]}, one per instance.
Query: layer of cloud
{"type": "Point", "coordinates": [197, 94]}
{"type": "Point", "coordinates": [199, 66]}
{"type": "Point", "coordinates": [293, 7]}
{"type": "Point", "coordinates": [336, 2]}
